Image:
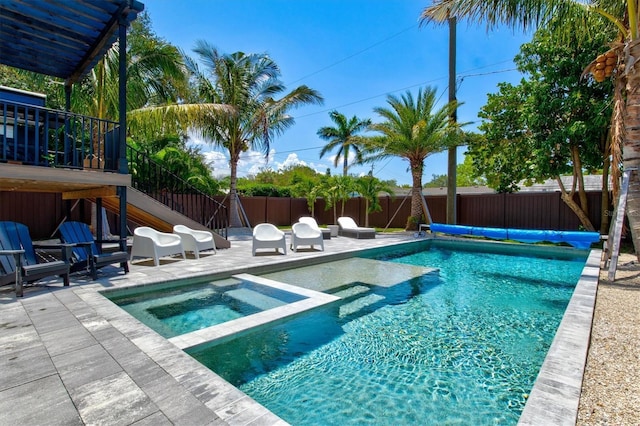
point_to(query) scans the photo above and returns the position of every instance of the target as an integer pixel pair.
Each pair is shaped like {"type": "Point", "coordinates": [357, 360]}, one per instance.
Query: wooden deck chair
{"type": "Point", "coordinates": [19, 262]}
{"type": "Point", "coordinates": [86, 253]}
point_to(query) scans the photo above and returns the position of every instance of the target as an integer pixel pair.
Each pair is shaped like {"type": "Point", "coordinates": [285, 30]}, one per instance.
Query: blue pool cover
{"type": "Point", "coordinates": [577, 239]}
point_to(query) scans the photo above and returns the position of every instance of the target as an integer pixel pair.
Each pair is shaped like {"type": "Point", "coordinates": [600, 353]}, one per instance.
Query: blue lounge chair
{"type": "Point", "coordinates": [86, 253]}
{"type": "Point", "coordinates": [18, 260]}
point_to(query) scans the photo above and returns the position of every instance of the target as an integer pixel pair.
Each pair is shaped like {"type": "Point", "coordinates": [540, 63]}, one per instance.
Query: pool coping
{"type": "Point", "coordinates": [231, 404]}
{"type": "Point", "coordinates": [555, 396]}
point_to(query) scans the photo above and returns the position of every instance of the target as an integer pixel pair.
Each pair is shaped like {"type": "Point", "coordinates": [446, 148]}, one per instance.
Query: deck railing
{"type": "Point", "coordinates": [39, 136]}
{"type": "Point", "coordinates": [158, 182]}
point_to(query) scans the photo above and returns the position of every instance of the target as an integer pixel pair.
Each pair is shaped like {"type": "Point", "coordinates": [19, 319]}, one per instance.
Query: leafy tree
{"type": "Point", "coordinates": [172, 153]}
{"type": "Point", "coordinates": [345, 136]}
{"type": "Point", "coordinates": [577, 19]}
{"type": "Point", "coordinates": [33, 82]}
{"type": "Point", "coordinates": [552, 124]}
{"type": "Point", "coordinates": [437, 181]}
{"type": "Point", "coordinates": [370, 188]}
{"type": "Point", "coordinates": [466, 175]}
{"type": "Point", "coordinates": [413, 129]}
{"type": "Point", "coordinates": [504, 159]}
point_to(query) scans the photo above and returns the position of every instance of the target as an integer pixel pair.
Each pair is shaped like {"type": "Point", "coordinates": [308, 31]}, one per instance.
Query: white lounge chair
{"type": "Point", "coordinates": [349, 228]}
{"type": "Point", "coordinates": [303, 234]}
{"type": "Point", "coordinates": [147, 242]}
{"type": "Point", "coordinates": [326, 233]}
{"type": "Point", "coordinates": [194, 240]}
{"type": "Point", "coordinates": [266, 235]}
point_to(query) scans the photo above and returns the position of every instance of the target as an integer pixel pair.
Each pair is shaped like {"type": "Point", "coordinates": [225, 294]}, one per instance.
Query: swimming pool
{"type": "Point", "coordinates": [462, 345]}
{"type": "Point", "coordinates": [390, 295]}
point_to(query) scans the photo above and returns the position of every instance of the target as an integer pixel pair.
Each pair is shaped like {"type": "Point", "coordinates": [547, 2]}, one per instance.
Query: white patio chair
{"type": "Point", "coordinates": [147, 242]}
{"type": "Point", "coordinates": [349, 228]}
{"type": "Point", "coordinates": [303, 234]}
{"type": "Point", "coordinates": [326, 233]}
{"type": "Point", "coordinates": [266, 235]}
{"type": "Point", "coordinates": [194, 240]}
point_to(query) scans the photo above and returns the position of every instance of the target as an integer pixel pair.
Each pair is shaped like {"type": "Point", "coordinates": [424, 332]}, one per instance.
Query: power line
{"type": "Point", "coordinates": [356, 53]}
{"type": "Point", "coordinates": [460, 77]}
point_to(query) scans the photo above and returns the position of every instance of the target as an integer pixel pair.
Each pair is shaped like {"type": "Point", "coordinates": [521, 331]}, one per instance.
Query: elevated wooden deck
{"type": "Point", "coordinates": [72, 183]}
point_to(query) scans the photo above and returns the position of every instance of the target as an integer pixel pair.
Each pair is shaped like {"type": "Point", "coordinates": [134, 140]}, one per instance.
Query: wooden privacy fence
{"type": "Point", "coordinates": [42, 213]}
{"type": "Point", "coordinates": [528, 210]}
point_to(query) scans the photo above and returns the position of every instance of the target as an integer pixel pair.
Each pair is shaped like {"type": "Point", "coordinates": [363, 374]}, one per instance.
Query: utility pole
{"type": "Point", "coordinates": [453, 151]}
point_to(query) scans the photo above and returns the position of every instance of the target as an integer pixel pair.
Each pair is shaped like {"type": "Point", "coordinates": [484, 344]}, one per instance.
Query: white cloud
{"type": "Point", "coordinates": [350, 159]}
{"type": "Point", "coordinates": [251, 162]}
{"type": "Point", "coordinates": [196, 140]}
{"type": "Point", "coordinates": [291, 160]}
{"type": "Point", "coordinates": [218, 162]}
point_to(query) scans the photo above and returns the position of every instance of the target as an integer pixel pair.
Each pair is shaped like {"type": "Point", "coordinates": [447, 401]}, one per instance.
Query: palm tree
{"type": "Point", "coordinates": [370, 188]}
{"type": "Point", "coordinates": [413, 130]}
{"type": "Point", "coordinates": [155, 75]}
{"type": "Point", "coordinates": [337, 189]}
{"type": "Point", "coordinates": [573, 16]}
{"type": "Point", "coordinates": [344, 137]}
{"type": "Point", "coordinates": [233, 107]}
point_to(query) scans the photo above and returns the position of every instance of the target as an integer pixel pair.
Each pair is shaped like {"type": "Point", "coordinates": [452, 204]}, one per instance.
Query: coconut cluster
{"type": "Point", "coordinates": [604, 65]}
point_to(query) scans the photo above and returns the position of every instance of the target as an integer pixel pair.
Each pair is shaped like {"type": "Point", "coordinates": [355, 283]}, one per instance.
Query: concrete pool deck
{"type": "Point", "coordinates": [70, 356]}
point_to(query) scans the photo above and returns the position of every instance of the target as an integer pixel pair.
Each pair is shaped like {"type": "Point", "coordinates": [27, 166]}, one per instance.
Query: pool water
{"type": "Point", "coordinates": [186, 308]}
{"type": "Point", "coordinates": [460, 346]}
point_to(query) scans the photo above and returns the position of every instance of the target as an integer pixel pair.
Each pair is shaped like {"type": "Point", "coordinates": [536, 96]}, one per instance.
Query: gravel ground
{"type": "Point", "coordinates": [611, 385]}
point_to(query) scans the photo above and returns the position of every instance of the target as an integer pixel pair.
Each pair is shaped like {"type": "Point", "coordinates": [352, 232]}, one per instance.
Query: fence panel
{"type": "Point", "coordinates": [543, 210]}
{"type": "Point", "coordinates": [482, 210]}
{"type": "Point", "coordinates": [278, 211]}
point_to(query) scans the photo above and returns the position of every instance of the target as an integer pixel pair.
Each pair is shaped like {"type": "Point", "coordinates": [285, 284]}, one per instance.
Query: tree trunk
{"type": "Point", "coordinates": [605, 213]}
{"type": "Point", "coordinates": [234, 214]}
{"type": "Point", "coordinates": [584, 219]}
{"type": "Point", "coordinates": [631, 149]}
{"type": "Point", "coordinates": [366, 210]}
{"type": "Point", "coordinates": [577, 166]}
{"type": "Point", "coordinates": [345, 165]}
{"type": "Point", "coordinates": [568, 200]}
{"type": "Point", "coordinates": [416, 203]}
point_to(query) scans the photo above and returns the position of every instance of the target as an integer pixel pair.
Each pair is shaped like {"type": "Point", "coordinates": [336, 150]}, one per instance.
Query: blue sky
{"type": "Point", "coordinates": [355, 53]}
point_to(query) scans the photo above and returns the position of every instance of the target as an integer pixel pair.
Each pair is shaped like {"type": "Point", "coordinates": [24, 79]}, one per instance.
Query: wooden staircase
{"type": "Point", "coordinates": [146, 211]}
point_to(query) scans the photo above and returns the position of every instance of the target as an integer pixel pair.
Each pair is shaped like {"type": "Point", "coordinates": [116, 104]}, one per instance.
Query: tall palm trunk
{"type": "Point", "coordinates": [631, 153]}
{"type": "Point", "coordinates": [234, 204]}
{"type": "Point", "coordinates": [604, 204]}
{"type": "Point", "coordinates": [366, 210]}
{"type": "Point", "coordinates": [345, 164]}
{"type": "Point", "coordinates": [416, 193]}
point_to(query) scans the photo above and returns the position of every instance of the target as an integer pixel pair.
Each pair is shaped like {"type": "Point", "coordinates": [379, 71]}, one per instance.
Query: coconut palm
{"type": "Point", "coordinates": [413, 129]}
{"type": "Point", "coordinates": [573, 16]}
{"type": "Point", "coordinates": [234, 107]}
{"type": "Point", "coordinates": [344, 137]}
{"type": "Point", "coordinates": [155, 75]}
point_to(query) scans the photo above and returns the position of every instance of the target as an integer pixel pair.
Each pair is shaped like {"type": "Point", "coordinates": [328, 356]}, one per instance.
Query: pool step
{"type": "Point", "coordinates": [360, 303]}
{"type": "Point", "coordinates": [254, 298]}
{"type": "Point", "coordinates": [352, 291]}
